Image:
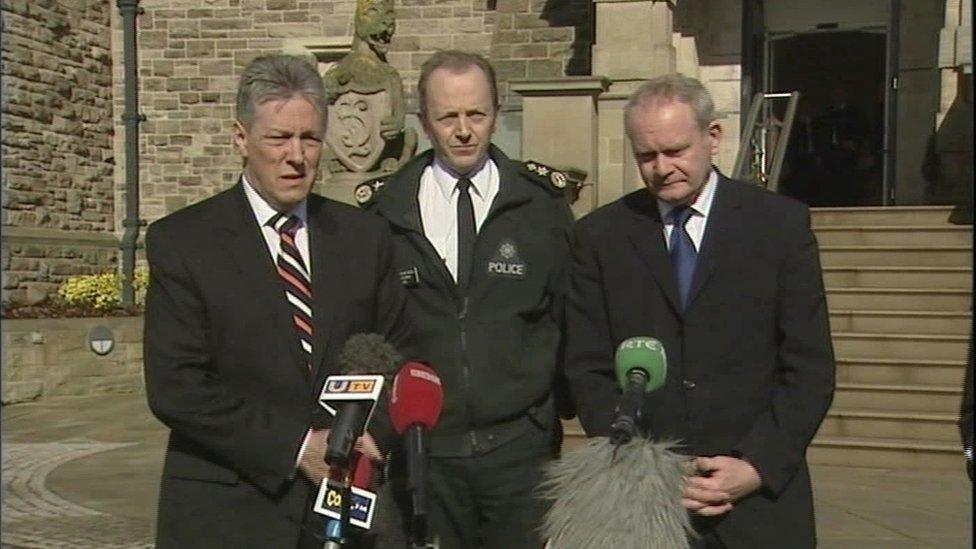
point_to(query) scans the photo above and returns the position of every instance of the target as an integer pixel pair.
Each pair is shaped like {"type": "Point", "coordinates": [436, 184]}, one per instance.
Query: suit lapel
{"type": "Point", "coordinates": [646, 234]}
{"type": "Point", "coordinates": [723, 224]}
{"type": "Point", "coordinates": [250, 251]}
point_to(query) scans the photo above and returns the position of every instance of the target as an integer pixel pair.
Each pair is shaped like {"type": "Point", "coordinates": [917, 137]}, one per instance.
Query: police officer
{"type": "Point", "coordinates": [482, 246]}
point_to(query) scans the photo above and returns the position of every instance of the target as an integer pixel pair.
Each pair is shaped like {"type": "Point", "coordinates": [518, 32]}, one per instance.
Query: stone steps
{"type": "Point", "coordinates": [895, 235]}
{"type": "Point", "coordinates": [899, 371]}
{"type": "Point", "coordinates": [937, 399]}
{"type": "Point", "coordinates": [880, 216]}
{"type": "Point", "coordinates": [931, 427]}
{"type": "Point", "coordinates": [872, 321]}
{"type": "Point", "coordinates": [876, 256]}
{"type": "Point", "coordinates": [893, 453]}
{"type": "Point", "coordinates": [903, 346]}
{"type": "Point", "coordinates": [899, 299]}
{"type": "Point", "coordinates": [899, 277]}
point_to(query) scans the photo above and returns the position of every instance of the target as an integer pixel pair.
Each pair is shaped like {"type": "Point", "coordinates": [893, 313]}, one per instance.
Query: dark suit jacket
{"type": "Point", "coordinates": [750, 363]}
{"type": "Point", "coordinates": [223, 366]}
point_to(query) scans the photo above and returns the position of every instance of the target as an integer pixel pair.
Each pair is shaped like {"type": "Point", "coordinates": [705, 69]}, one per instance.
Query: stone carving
{"type": "Point", "coordinates": [365, 132]}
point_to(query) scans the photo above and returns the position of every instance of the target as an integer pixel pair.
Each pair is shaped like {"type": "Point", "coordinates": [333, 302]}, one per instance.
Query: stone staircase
{"type": "Point", "coordinates": [899, 286]}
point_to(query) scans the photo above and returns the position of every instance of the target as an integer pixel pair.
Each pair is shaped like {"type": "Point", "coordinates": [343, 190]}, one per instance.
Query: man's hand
{"type": "Point", "coordinates": [312, 461]}
{"type": "Point", "coordinates": [366, 446]}
{"type": "Point", "coordinates": [721, 480]}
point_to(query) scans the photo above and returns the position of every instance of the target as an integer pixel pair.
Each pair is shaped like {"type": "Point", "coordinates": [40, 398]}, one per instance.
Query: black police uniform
{"type": "Point", "coordinates": [494, 345]}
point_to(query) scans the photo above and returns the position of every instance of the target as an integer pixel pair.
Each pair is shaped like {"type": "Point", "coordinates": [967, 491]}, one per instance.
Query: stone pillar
{"type": "Point", "coordinates": [559, 126]}
{"type": "Point", "coordinates": [953, 147]}
{"type": "Point", "coordinates": [634, 42]}
{"type": "Point", "coordinates": [633, 39]}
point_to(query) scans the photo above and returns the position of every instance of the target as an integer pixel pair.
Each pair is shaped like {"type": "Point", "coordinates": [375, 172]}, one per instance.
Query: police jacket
{"type": "Point", "coordinates": [494, 345]}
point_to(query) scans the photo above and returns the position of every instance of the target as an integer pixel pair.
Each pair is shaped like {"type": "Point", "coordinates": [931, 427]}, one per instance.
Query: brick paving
{"type": "Point", "coordinates": [33, 516]}
{"type": "Point", "coordinates": [83, 472]}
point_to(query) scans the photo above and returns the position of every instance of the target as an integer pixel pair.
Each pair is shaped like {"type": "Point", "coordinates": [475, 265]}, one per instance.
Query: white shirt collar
{"type": "Point", "coordinates": [447, 181]}
{"type": "Point", "coordinates": [702, 205]}
{"type": "Point", "coordinates": [263, 212]}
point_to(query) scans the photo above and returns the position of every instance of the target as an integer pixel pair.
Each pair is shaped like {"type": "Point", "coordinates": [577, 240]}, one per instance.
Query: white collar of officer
{"type": "Point", "coordinates": [482, 178]}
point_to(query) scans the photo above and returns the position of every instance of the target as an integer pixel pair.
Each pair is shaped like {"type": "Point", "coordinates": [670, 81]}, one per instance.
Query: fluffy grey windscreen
{"type": "Point", "coordinates": [368, 354]}
{"type": "Point", "coordinates": [631, 500]}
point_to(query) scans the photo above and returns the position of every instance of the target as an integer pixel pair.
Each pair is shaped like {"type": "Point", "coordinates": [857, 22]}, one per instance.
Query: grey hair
{"type": "Point", "coordinates": [456, 61]}
{"type": "Point", "coordinates": [275, 77]}
{"type": "Point", "coordinates": [673, 87]}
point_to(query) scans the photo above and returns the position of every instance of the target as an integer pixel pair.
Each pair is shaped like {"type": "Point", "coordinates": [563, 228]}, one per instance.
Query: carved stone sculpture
{"type": "Point", "coordinates": [365, 131]}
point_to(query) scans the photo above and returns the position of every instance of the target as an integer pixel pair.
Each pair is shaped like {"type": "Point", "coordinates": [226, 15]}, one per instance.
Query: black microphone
{"type": "Point", "coordinates": [641, 367]}
{"type": "Point", "coordinates": [365, 361]}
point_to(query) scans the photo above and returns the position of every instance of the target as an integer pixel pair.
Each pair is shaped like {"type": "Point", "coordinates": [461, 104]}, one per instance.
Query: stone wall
{"type": "Point", "coordinates": [191, 54]}
{"type": "Point", "coordinates": [51, 357]}
{"type": "Point", "coordinates": [57, 143]}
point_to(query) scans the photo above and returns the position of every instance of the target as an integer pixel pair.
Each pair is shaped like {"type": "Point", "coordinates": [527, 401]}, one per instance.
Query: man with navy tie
{"type": "Point", "coordinates": [727, 276]}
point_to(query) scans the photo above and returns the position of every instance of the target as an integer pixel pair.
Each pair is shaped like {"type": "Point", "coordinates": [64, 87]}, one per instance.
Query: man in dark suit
{"type": "Point", "coordinates": [252, 293]}
{"type": "Point", "coordinates": [726, 275]}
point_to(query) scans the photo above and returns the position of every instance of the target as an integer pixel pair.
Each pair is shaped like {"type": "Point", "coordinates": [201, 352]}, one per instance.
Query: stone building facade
{"type": "Point", "coordinates": [191, 54]}
{"type": "Point", "coordinates": [573, 61]}
{"type": "Point", "coordinates": [59, 213]}
{"type": "Point", "coordinates": [64, 164]}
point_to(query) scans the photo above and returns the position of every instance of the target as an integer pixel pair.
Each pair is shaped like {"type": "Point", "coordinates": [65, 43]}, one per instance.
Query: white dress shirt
{"type": "Point", "coordinates": [699, 213]}
{"type": "Point", "coordinates": [263, 212]}
{"type": "Point", "coordinates": [438, 197]}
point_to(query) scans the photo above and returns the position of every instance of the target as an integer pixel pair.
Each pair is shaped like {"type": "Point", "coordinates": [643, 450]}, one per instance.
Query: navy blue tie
{"type": "Point", "coordinates": [683, 253]}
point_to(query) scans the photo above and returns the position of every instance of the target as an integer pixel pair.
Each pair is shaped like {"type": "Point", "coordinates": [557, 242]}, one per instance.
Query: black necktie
{"type": "Point", "coordinates": [466, 232]}
{"type": "Point", "coordinates": [683, 253]}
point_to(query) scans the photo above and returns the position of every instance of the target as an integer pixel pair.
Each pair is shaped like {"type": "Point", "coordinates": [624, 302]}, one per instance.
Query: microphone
{"type": "Point", "coordinates": [623, 490]}
{"type": "Point", "coordinates": [364, 361]}
{"type": "Point", "coordinates": [606, 496]}
{"type": "Point", "coordinates": [415, 407]}
{"type": "Point", "coordinates": [352, 396]}
{"type": "Point", "coordinates": [641, 367]}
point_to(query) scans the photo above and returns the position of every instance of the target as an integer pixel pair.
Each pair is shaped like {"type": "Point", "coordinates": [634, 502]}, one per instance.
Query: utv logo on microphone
{"type": "Point", "coordinates": [506, 262]}
{"type": "Point", "coordinates": [347, 386]}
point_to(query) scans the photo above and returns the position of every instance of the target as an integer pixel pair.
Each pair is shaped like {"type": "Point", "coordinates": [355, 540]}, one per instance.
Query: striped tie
{"type": "Point", "coordinates": [295, 277]}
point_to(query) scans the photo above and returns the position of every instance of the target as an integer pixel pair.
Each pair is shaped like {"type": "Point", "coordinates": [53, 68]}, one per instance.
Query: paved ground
{"type": "Point", "coordinates": [84, 471]}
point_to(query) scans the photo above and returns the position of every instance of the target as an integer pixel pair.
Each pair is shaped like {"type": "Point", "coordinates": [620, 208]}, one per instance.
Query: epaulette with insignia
{"type": "Point", "coordinates": [557, 181]}
{"type": "Point", "coordinates": [366, 191]}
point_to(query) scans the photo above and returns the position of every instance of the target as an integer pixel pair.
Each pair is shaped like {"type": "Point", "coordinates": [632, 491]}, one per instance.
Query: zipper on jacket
{"type": "Point", "coordinates": [465, 367]}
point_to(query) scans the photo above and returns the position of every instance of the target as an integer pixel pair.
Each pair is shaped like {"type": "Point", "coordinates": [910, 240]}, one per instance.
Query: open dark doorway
{"type": "Point", "coordinates": [835, 155]}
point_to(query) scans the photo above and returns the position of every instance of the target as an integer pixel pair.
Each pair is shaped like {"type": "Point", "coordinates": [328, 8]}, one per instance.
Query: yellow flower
{"type": "Point", "coordinates": [102, 291]}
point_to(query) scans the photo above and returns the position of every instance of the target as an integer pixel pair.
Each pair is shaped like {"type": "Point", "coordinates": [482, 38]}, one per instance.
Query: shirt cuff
{"type": "Point", "coordinates": [301, 452]}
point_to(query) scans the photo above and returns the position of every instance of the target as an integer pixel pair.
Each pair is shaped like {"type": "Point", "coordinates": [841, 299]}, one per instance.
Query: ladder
{"type": "Point", "coordinates": [764, 139]}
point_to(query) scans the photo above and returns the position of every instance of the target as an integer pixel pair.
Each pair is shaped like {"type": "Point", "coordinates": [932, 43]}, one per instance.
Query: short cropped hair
{"type": "Point", "coordinates": [276, 77]}
{"type": "Point", "coordinates": [455, 61]}
{"type": "Point", "coordinates": [673, 87]}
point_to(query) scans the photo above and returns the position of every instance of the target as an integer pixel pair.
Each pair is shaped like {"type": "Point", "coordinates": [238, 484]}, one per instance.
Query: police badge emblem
{"type": "Point", "coordinates": [506, 261]}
